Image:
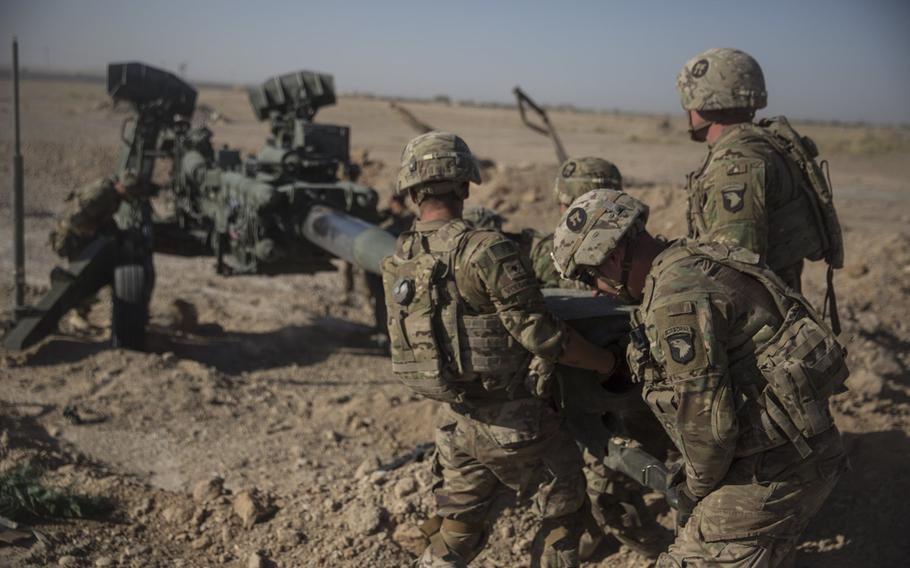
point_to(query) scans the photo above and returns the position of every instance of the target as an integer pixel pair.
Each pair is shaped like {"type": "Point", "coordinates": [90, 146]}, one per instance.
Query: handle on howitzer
{"type": "Point", "coordinates": [644, 468]}
{"type": "Point", "coordinates": [525, 102]}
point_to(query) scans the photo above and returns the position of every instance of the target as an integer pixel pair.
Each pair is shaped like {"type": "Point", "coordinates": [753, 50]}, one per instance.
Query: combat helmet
{"type": "Point", "coordinates": [577, 176]}
{"type": "Point", "coordinates": [722, 79]}
{"type": "Point", "coordinates": [436, 163]}
{"type": "Point", "coordinates": [592, 229]}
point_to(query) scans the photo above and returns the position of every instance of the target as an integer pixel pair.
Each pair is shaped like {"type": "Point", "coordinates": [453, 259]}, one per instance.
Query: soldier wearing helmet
{"type": "Point", "coordinates": [465, 317]}
{"type": "Point", "coordinates": [759, 187]}
{"type": "Point", "coordinates": [574, 177]}
{"type": "Point", "coordinates": [736, 366]}
{"type": "Point", "coordinates": [616, 503]}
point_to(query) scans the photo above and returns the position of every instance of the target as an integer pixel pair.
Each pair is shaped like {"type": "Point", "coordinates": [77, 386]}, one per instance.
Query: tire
{"type": "Point", "coordinates": [131, 294]}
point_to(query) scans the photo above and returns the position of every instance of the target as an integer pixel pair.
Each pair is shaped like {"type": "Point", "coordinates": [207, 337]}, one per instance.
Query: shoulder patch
{"type": "Point", "coordinates": [680, 343]}
{"type": "Point", "coordinates": [502, 250]}
{"type": "Point", "coordinates": [680, 309]}
{"type": "Point", "coordinates": [733, 196]}
{"type": "Point", "coordinates": [737, 169]}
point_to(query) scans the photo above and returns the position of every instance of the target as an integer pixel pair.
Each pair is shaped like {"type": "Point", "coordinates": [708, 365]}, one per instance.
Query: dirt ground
{"type": "Point", "coordinates": [269, 433]}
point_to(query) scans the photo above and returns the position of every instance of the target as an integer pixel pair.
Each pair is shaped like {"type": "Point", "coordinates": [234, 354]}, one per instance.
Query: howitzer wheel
{"type": "Point", "coordinates": [131, 294]}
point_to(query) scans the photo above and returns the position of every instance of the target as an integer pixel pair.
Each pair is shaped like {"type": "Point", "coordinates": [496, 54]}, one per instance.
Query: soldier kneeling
{"type": "Point", "coordinates": [737, 367]}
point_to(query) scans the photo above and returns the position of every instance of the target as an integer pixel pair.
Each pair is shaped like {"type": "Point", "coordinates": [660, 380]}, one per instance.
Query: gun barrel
{"type": "Point", "coordinates": [348, 237]}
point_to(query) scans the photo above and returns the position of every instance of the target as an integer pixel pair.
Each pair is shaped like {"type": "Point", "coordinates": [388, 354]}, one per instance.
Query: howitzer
{"type": "Point", "coordinates": [250, 216]}
{"type": "Point", "coordinates": [585, 401]}
{"type": "Point", "coordinates": [252, 220]}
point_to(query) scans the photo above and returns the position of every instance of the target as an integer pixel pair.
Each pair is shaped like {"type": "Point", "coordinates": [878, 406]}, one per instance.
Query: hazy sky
{"type": "Point", "coordinates": [823, 59]}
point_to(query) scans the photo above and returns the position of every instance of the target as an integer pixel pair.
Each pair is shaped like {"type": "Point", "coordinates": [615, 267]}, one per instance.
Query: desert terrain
{"type": "Point", "coordinates": [274, 432]}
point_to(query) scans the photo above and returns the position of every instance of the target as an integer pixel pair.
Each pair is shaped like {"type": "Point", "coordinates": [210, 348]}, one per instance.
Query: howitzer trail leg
{"type": "Point", "coordinates": [85, 275]}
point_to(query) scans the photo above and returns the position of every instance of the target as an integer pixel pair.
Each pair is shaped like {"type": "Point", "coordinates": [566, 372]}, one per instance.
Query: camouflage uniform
{"type": "Point", "coordinates": [90, 212]}
{"type": "Point", "coordinates": [751, 190]}
{"type": "Point", "coordinates": [738, 368]}
{"type": "Point", "coordinates": [465, 317]}
{"type": "Point", "coordinates": [99, 208]}
{"type": "Point", "coordinates": [616, 503]}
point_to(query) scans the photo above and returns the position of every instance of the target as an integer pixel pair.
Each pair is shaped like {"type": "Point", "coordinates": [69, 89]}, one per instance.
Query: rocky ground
{"type": "Point", "coordinates": [272, 432]}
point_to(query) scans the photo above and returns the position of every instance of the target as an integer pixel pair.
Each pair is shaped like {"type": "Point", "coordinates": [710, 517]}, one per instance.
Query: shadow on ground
{"type": "Point", "coordinates": [860, 525]}
{"type": "Point", "coordinates": [230, 352]}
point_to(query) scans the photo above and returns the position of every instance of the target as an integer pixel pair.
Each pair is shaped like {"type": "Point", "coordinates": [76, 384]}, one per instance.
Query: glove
{"type": "Point", "coordinates": [539, 379]}
{"type": "Point", "coordinates": [685, 502]}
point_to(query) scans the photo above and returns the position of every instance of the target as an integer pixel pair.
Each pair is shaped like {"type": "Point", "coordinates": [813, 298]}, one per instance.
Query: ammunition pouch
{"type": "Point", "coordinates": [414, 291]}
{"type": "Point", "coordinates": [434, 344]}
{"type": "Point", "coordinates": [803, 365]}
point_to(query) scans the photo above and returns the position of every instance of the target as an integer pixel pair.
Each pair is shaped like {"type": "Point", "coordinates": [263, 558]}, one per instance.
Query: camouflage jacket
{"type": "Point", "coordinates": [749, 194]}
{"type": "Point", "coordinates": [493, 277]}
{"type": "Point", "coordinates": [705, 323]}
{"type": "Point", "coordinates": [97, 208]}
{"type": "Point", "coordinates": [481, 305]}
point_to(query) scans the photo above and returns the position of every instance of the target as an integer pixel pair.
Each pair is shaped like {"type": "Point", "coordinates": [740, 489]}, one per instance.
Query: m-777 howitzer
{"type": "Point", "coordinates": [249, 216]}
{"type": "Point", "coordinates": [584, 400]}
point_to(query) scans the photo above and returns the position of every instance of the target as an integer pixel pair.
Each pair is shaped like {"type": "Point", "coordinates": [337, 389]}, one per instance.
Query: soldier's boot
{"type": "Point", "coordinates": [453, 544]}
{"type": "Point", "coordinates": [558, 543]}
{"type": "Point", "coordinates": [589, 543]}
{"type": "Point", "coordinates": [644, 538]}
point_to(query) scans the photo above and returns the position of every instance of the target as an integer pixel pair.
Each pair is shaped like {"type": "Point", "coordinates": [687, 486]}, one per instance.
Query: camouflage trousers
{"type": "Point", "coordinates": [519, 444]}
{"type": "Point", "coordinates": [755, 517]}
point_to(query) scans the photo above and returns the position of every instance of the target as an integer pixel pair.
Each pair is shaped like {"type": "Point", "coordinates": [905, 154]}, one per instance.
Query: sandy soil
{"type": "Point", "coordinates": [280, 392]}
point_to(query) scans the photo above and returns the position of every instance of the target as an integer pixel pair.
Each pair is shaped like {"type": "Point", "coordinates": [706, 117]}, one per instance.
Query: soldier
{"type": "Point", "coordinates": [760, 186]}
{"type": "Point", "coordinates": [575, 177]}
{"type": "Point", "coordinates": [616, 503]}
{"type": "Point", "coordinates": [117, 206]}
{"type": "Point", "coordinates": [737, 367]}
{"type": "Point", "coordinates": [465, 317]}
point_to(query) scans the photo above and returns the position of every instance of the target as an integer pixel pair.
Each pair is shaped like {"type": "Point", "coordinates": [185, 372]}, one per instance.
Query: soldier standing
{"type": "Point", "coordinates": [760, 186]}
{"type": "Point", "coordinates": [737, 367]}
{"type": "Point", "coordinates": [466, 316]}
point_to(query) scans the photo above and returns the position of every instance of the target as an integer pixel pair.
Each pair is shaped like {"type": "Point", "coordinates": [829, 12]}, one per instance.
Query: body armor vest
{"type": "Point", "coordinates": [802, 224]}
{"type": "Point", "coordinates": [439, 349]}
{"type": "Point", "coordinates": [782, 377]}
